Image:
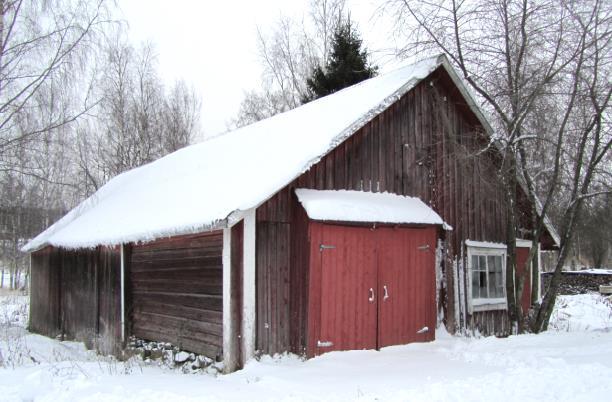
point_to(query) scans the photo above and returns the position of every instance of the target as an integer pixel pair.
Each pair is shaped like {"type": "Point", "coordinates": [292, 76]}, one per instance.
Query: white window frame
{"type": "Point", "coordinates": [486, 249]}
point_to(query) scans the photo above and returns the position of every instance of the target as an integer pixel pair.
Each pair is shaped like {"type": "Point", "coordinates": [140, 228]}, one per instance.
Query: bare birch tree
{"type": "Point", "coordinates": [42, 43]}
{"type": "Point", "coordinates": [74, 112]}
{"type": "Point", "coordinates": [138, 119]}
{"type": "Point", "coordinates": [44, 46]}
{"type": "Point", "coordinates": [525, 60]}
{"type": "Point", "coordinates": [288, 54]}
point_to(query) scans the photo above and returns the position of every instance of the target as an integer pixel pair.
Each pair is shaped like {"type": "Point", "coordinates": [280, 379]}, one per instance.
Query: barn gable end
{"type": "Point", "coordinates": [420, 146]}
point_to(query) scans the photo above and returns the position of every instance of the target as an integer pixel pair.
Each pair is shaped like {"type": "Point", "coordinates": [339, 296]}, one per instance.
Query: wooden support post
{"type": "Point", "coordinates": [122, 280]}
{"type": "Point", "coordinates": [230, 332]}
{"type": "Point", "coordinates": [537, 278]}
{"type": "Point", "coordinates": [248, 292]}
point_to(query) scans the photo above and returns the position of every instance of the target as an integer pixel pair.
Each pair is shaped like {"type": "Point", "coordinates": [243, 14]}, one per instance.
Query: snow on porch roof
{"type": "Point", "coordinates": [360, 206]}
{"type": "Point", "coordinates": [202, 186]}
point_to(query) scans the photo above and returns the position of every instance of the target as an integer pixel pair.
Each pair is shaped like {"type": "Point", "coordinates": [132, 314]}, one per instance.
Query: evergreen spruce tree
{"type": "Point", "coordinates": [346, 65]}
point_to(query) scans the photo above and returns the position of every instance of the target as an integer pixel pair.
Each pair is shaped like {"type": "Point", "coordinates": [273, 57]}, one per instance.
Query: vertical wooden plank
{"type": "Point", "coordinates": [397, 141]}
{"type": "Point", "coordinates": [314, 289]}
{"type": "Point", "coordinates": [236, 291]}
{"type": "Point", "coordinates": [263, 254]}
{"type": "Point", "coordinates": [338, 173]}
{"type": "Point", "coordinates": [372, 155]}
{"type": "Point", "coordinates": [329, 171]}
{"type": "Point", "coordinates": [298, 289]}
{"type": "Point", "coordinates": [357, 167]}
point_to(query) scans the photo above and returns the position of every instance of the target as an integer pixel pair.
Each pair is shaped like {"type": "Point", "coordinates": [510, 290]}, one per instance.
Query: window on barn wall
{"type": "Point", "coordinates": [487, 276]}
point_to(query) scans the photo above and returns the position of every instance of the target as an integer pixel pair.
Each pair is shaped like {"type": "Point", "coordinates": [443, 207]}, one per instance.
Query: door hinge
{"type": "Point", "coordinates": [325, 344]}
{"type": "Point", "coordinates": [326, 247]}
{"type": "Point", "coordinates": [424, 247]}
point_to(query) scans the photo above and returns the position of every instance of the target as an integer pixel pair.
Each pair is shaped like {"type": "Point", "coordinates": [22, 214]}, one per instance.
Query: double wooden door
{"type": "Point", "coordinates": [377, 286]}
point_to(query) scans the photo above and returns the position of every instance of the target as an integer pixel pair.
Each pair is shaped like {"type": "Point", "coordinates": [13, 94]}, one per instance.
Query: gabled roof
{"type": "Point", "coordinates": [198, 187]}
{"type": "Point", "coordinates": [204, 186]}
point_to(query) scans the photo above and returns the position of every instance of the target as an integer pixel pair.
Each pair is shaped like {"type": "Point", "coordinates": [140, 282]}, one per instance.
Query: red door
{"type": "Point", "coordinates": [348, 286]}
{"type": "Point", "coordinates": [371, 288]}
{"type": "Point", "coordinates": [407, 278]}
{"type": "Point", "coordinates": [521, 265]}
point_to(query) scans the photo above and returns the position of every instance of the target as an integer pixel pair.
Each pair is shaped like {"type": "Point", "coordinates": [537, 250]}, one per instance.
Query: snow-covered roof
{"type": "Point", "coordinates": [360, 206]}
{"type": "Point", "coordinates": [199, 187]}
{"type": "Point", "coordinates": [208, 185]}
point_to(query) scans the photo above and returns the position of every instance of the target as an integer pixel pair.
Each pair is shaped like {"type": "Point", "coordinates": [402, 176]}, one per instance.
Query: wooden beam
{"type": "Point", "coordinates": [230, 355]}
{"type": "Point", "coordinates": [122, 279]}
{"type": "Point", "coordinates": [248, 292]}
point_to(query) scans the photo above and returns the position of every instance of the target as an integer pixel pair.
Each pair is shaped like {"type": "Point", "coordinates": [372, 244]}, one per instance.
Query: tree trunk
{"type": "Point", "coordinates": [511, 256]}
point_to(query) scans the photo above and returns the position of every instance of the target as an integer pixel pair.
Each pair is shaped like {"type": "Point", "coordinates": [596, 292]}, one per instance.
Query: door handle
{"type": "Point", "coordinates": [386, 296]}
{"type": "Point", "coordinates": [371, 298]}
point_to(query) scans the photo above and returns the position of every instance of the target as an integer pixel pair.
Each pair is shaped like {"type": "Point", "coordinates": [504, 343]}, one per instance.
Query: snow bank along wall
{"type": "Point", "coordinates": [422, 145]}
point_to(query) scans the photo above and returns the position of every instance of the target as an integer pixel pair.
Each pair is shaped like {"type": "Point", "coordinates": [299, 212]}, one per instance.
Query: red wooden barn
{"type": "Point", "coordinates": [359, 220]}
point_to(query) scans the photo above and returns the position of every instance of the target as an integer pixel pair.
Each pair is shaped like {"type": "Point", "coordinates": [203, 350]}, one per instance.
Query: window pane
{"type": "Point", "coordinates": [499, 277]}
{"type": "Point", "coordinates": [483, 283]}
{"type": "Point", "coordinates": [492, 275]}
{"type": "Point", "coordinates": [475, 278]}
{"type": "Point", "coordinates": [475, 282]}
{"type": "Point", "coordinates": [487, 276]}
{"type": "Point", "coordinates": [494, 267]}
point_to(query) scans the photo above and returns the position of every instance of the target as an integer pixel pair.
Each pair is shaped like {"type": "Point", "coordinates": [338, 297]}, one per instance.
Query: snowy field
{"type": "Point", "coordinates": [572, 362]}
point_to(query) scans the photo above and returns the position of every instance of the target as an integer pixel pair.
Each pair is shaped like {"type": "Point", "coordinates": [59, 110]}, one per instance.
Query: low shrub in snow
{"type": "Point", "coordinates": [14, 350]}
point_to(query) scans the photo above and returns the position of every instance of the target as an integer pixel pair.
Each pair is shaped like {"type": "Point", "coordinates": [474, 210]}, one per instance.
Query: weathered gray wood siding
{"type": "Point", "coordinates": [176, 288]}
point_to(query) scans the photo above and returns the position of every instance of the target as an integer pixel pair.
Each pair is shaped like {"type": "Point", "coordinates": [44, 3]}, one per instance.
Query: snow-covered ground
{"type": "Point", "coordinates": [594, 271]}
{"type": "Point", "coordinates": [572, 362]}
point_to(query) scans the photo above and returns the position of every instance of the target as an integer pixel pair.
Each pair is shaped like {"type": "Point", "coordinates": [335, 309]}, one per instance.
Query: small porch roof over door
{"type": "Point", "coordinates": [367, 207]}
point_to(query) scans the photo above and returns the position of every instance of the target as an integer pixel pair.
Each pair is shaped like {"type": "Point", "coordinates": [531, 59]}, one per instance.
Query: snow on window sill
{"type": "Point", "coordinates": [489, 304]}
{"type": "Point", "coordinates": [485, 245]}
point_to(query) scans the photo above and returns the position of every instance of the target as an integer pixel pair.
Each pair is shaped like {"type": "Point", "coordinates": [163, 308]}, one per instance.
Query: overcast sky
{"type": "Point", "coordinates": [212, 44]}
